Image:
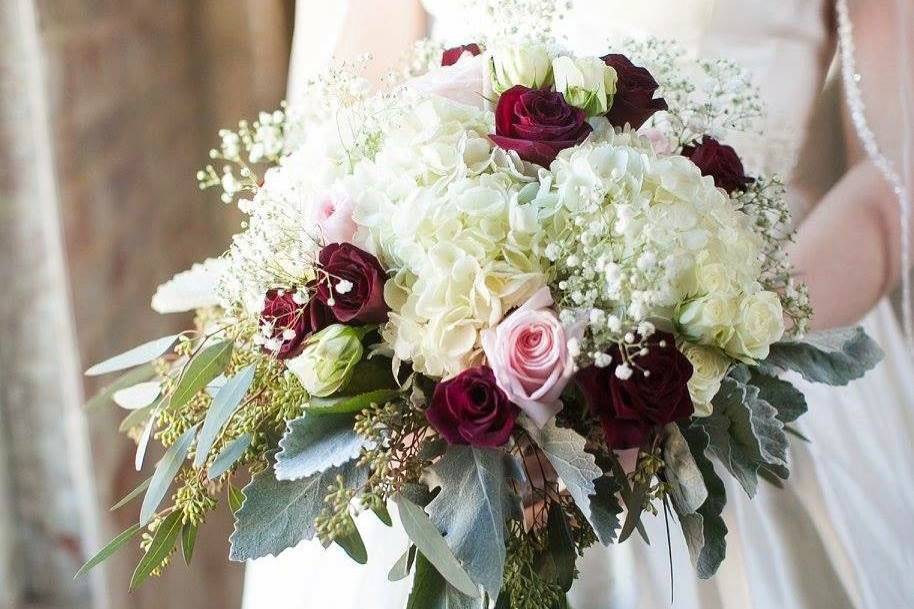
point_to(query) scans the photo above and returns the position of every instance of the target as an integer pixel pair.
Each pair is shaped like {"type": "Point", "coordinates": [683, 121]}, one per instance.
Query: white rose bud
{"type": "Point", "coordinates": [326, 364]}
{"type": "Point", "coordinates": [527, 65]}
{"type": "Point", "coordinates": [709, 320]}
{"type": "Point", "coordinates": [586, 82]}
{"type": "Point", "coordinates": [709, 366]}
{"type": "Point", "coordinates": [761, 323]}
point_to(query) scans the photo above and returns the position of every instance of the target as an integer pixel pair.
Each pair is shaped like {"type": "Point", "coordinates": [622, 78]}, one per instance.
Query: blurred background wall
{"type": "Point", "coordinates": [107, 108]}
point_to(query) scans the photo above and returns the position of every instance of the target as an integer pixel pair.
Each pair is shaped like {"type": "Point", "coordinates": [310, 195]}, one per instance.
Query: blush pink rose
{"type": "Point", "coordinates": [463, 82]}
{"type": "Point", "coordinates": [331, 212]}
{"type": "Point", "coordinates": [528, 352]}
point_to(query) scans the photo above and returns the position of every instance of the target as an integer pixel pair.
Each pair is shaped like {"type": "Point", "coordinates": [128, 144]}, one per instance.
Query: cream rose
{"type": "Point", "coordinates": [761, 323]}
{"type": "Point", "coordinates": [527, 65]}
{"type": "Point", "coordinates": [586, 82]}
{"type": "Point", "coordinates": [709, 320]}
{"type": "Point", "coordinates": [528, 352]}
{"type": "Point", "coordinates": [709, 366]}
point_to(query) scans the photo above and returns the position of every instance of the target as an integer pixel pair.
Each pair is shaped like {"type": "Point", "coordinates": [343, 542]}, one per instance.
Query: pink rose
{"type": "Point", "coordinates": [528, 352]}
{"type": "Point", "coordinates": [462, 82]}
{"type": "Point", "coordinates": [332, 213]}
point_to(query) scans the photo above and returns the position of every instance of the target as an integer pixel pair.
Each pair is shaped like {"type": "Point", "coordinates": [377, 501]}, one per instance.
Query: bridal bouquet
{"type": "Point", "coordinates": [523, 297]}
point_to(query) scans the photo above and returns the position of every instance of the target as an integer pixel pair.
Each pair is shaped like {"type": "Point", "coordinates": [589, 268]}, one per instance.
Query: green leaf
{"type": "Point", "coordinates": [787, 399]}
{"type": "Point", "coordinates": [224, 405]}
{"type": "Point", "coordinates": [353, 545]}
{"type": "Point", "coordinates": [704, 530]}
{"type": "Point", "coordinates": [235, 498]}
{"type": "Point", "coordinates": [163, 542]}
{"type": "Point", "coordinates": [106, 395]}
{"type": "Point", "coordinates": [402, 567]}
{"type": "Point", "coordinates": [576, 467]}
{"type": "Point", "coordinates": [834, 357]}
{"type": "Point", "coordinates": [188, 541]}
{"type": "Point", "coordinates": [105, 553]}
{"type": "Point", "coordinates": [131, 495]}
{"type": "Point", "coordinates": [229, 455]}
{"type": "Point", "coordinates": [314, 443]}
{"type": "Point", "coordinates": [165, 472]}
{"type": "Point", "coordinates": [471, 509]}
{"type": "Point", "coordinates": [431, 591]}
{"type": "Point", "coordinates": [432, 546]}
{"type": "Point", "coordinates": [279, 514]}
{"type": "Point", "coordinates": [351, 403]}
{"type": "Point", "coordinates": [687, 484]}
{"type": "Point", "coordinates": [370, 375]}
{"type": "Point", "coordinates": [207, 365]}
{"type": "Point", "coordinates": [135, 357]}
{"type": "Point", "coordinates": [562, 551]}
{"type": "Point", "coordinates": [745, 433]}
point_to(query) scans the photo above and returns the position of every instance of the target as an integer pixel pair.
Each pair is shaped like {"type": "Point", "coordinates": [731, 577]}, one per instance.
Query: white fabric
{"type": "Point", "coordinates": [840, 534]}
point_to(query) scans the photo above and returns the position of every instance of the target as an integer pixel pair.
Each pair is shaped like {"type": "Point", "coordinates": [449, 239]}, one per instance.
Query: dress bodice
{"type": "Point", "coordinates": [785, 44]}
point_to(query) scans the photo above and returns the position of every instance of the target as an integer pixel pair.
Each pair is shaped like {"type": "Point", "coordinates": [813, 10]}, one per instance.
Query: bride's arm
{"type": "Point", "coordinates": [384, 28]}
{"type": "Point", "coordinates": [849, 249]}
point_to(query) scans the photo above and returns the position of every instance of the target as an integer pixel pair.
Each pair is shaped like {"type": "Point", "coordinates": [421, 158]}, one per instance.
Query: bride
{"type": "Point", "coordinates": [839, 534]}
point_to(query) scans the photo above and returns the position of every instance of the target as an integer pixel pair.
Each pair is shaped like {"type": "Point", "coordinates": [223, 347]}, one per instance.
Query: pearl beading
{"type": "Point", "coordinates": [857, 108]}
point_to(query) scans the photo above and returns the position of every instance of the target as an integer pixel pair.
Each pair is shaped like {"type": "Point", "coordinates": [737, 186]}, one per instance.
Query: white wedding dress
{"type": "Point", "coordinates": [841, 532]}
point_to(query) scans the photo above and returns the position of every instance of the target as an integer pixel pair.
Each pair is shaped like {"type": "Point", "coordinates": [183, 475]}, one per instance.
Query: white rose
{"type": "Point", "coordinates": [761, 323]}
{"type": "Point", "coordinates": [709, 366]}
{"type": "Point", "coordinates": [586, 82]}
{"type": "Point", "coordinates": [527, 65]}
{"type": "Point", "coordinates": [709, 320]}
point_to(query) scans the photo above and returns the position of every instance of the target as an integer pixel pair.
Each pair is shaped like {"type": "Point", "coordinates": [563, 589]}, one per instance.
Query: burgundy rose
{"type": "Point", "coordinates": [471, 409]}
{"type": "Point", "coordinates": [634, 101]}
{"type": "Point", "coordinates": [287, 321]}
{"type": "Point", "coordinates": [720, 162]}
{"type": "Point", "coordinates": [537, 124]}
{"type": "Point", "coordinates": [352, 284]}
{"type": "Point", "coordinates": [655, 394]}
{"type": "Point", "coordinates": [453, 55]}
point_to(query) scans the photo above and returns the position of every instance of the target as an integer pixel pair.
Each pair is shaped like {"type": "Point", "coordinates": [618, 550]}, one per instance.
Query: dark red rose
{"type": "Point", "coordinates": [720, 162]}
{"type": "Point", "coordinates": [655, 394]}
{"type": "Point", "coordinates": [537, 124]}
{"type": "Point", "coordinates": [363, 301]}
{"type": "Point", "coordinates": [288, 321]}
{"type": "Point", "coordinates": [453, 55]}
{"type": "Point", "coordinates": [471, 409]}
{"type": "Point", "coordinates": [634, 101]}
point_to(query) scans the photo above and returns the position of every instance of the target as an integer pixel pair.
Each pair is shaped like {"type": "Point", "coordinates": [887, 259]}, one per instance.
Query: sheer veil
{"type": "Point", "coordinates": [877, 57]}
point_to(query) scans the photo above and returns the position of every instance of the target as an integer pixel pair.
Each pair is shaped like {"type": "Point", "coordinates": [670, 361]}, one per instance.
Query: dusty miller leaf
{"type": "Point", "coordinates": [834, 357]}
{"type": "Point", "coordinates": [687, 485]}
{"type": "Point", "coordinates": [471, 510]}
{"type": "Point", "coordinates": [279, 514]}
{"type": "Point", "coordinates": [313, 443]}
{"type": "Point", "coordinates": [576, 467]}
{"type": "Point", "coordinates": [787, 399]}
{"type": "Point", "coordinates": [704, 530]}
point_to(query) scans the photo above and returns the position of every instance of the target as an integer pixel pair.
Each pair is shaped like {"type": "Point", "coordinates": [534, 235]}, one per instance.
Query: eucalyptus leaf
{"type": "Point", "coordinates": [383, 514]}
{"type": "Point", "coordinates": [562, 550]}
{"type": "Point", "coordinates": [188, 541]}
{"type": "Point", "coordinates": [135, 357]}
{"type": "Point", "coordinates": [370, 375]}
{"type": "Point", "coordinates": [474, 503]}
{"type": "Point", "coordinates": [313, 443]}
{"type": "Point", "coordinates": [143, 444]}
{"type": "Point", "coordinates": [106, 552]}
{"type": "Point", "coordinates": [279, 514]}
{"type": "Point", "coordinates": [131, 495]}
{"type": "Point", "coordinates": [137, 396]}
{"type": "Point", "coordinates": [165, 472]}
{"type": "Point", "coordinates": [163, 541]}
{"type": "Point", "coordinates": [576, 467]}
{"type": "Point", "coordinates": [137, 417]}
{"type": "Point", "coordinates": [106, 394]}
{"type": "Point", "coordinates": [400, 569]}
{"type": "Point", "coordinates": [432, 546]}
{"type": "Point", "coordinates": [224, 405]}
{"type": "Point", "coordinates": [834, 357]}
{"type": "Point", "coordinates": [203, 368]}
{"type": "Point", "coordinates": [229, 456]}
{"type": "Point", "coordinates": [351, 403]}
{"type": "Point", "coordinates": [235, 498]}
{"type": "Point", "coordinates": [431, 590]}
